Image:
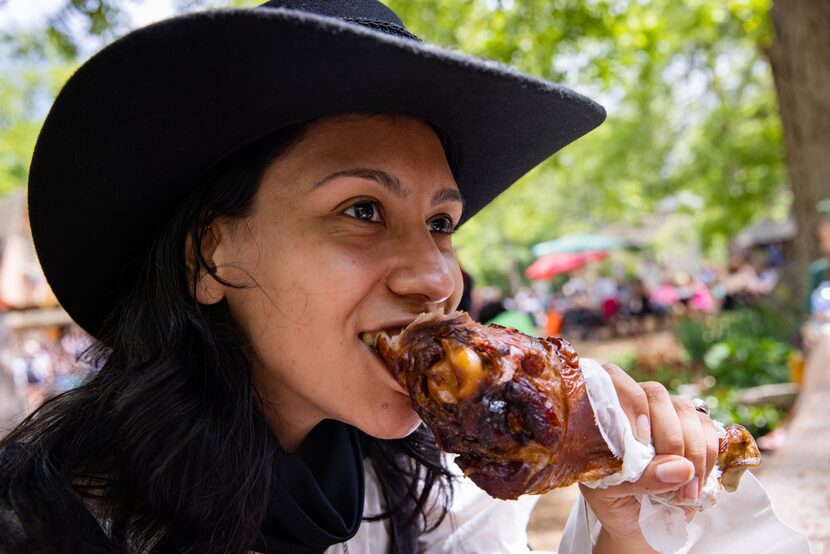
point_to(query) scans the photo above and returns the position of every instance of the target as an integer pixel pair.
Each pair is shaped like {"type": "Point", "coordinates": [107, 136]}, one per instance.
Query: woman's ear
{"type": "Point", "coordinates": [206, 288]}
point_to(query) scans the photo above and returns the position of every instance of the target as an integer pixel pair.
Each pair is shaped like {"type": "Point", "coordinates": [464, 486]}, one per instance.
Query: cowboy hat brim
{"type": "Point", "coordinates": [137, 125]}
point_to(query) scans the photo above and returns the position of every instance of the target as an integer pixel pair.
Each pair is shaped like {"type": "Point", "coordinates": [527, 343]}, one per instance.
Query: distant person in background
{"type": "Point", "coordinates": [767, 274]}
{"type": "Point", "coordinates": [607, 292]}
{"type": "Point", "coordinates": [12, 386]}
{"type": "Point", "coordinates": [708, 273]}
{"type": "Point", "coordinates": [815, 332]}
{"type": "Point", "coordinates": [701, 299]}
{"type": "Point", "coordinates": [738, 282]}
{"type": "Point", "coordinates": [582, 318]}
{"type": "Point", "coordinates": [744, 283]}
{"type": "Point", "coordinates": [555, 314]}
{"type": "Point", "coordinates": [820, 269]}
{"type": "Point", "coordinates": [575, 284]}
{"type": "Point", "coordinates": [70, 344]}
{"type": "Point", "coordinates": [638, 306]}
{"type": "Point", "coordinates": [527, 301]}
{"type": "Point", "coordinates": [664, 296]}
{"type": "Point", "coordinates": [684, 288]}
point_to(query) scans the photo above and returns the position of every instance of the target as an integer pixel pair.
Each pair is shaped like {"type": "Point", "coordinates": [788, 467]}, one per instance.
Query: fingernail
{"type": "Point", "coordinates": [674, 472]}
{"type": "Point", "coordinates": [643, 429]}
{"type": "Point", "coordinates": [689, 490]}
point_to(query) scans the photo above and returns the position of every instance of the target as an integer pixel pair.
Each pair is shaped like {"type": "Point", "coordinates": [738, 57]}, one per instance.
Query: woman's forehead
{"type": "Point", "coordinates": [390, 130]}
{"type": "Point", "coordinates": [405, 148]}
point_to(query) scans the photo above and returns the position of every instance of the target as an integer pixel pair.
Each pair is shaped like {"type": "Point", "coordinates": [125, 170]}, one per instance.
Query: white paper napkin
{"type": "Point", "coordinates": [742, 521]}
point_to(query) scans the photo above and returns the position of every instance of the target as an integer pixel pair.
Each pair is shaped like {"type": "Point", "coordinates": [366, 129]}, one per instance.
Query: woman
{"type": "Point", "coordinates": [227, 201]}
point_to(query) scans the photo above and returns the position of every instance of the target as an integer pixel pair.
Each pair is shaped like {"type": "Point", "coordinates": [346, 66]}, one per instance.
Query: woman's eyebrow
{"type": "Point", "coordinates": [447, 195]}
{"type": "Point", "coordinates": [390, 182]}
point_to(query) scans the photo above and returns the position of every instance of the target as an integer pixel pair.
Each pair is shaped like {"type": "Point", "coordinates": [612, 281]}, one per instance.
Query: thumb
{"type": "Point", "coordinates": [664, 473]}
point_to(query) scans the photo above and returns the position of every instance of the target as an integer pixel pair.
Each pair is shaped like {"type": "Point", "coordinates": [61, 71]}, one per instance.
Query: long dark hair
{"type": "Point", "coordinates": [168, 442]}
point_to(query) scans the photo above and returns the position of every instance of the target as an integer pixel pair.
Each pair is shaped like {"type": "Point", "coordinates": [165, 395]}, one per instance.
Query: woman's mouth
{"type": "Point", "coordinates": [389, 336]}
{"type": "Point", "coordinates": [393, 332]}
{"type": "Point", "coordinates": [370, 338]}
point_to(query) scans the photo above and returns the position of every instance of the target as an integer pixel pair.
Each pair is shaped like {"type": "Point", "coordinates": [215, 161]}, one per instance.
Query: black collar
{"type": "Point", "coordinates": [317, 494]}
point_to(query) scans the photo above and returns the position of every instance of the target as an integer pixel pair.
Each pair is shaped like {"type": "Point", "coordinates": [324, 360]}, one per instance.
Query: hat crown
{"type": "Point", "coordinates": [369, 13]}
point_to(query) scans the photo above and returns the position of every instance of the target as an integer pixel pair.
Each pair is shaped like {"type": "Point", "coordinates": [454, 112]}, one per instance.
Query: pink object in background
{"type": "Point", "coordinates": [664, 295]}
{"type": "Point", "coordinates": [702, 299]}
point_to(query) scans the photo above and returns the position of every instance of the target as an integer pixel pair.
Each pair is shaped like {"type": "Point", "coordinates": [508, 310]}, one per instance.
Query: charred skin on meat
{"type": "Point", "coordinates": [513, 407]}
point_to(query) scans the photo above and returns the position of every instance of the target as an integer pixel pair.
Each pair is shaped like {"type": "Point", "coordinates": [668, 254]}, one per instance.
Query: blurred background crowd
{"type": "Point", "coordinates": [612, 300]}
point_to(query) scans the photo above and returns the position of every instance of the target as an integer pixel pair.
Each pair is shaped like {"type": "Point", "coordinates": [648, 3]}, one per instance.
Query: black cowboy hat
{"type": "Point", "coordinates": [137, 125]}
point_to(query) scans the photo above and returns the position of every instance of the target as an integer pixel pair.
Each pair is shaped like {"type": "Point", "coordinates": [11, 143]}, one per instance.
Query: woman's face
{"type": "Point", "coordinates": [350, 232]}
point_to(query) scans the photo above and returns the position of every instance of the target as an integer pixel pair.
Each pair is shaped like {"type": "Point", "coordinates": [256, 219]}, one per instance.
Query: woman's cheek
{"type": "Point", "coordinates": [458, 291]}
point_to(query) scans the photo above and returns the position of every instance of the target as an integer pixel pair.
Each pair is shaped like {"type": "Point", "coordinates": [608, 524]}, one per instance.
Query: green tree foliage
{"type": "Point", "coordinates": [27, 85]}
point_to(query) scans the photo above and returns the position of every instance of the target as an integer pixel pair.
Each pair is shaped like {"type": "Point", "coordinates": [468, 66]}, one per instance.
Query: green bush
{"type": "Point", "coordinates": [745, 361]}
{"type": "Point", "coordinates": [671, 373]}
{"type": "Point", "coordinates": [759, 420]}
{"type": "Point", "coordinates": [722, 400]}
{"type": "Point", "coordinates": [696, 336]}
{"type": "Point", "coordinates": [733, 350]}
{"type": "Point", "coordinates": [742, 348]}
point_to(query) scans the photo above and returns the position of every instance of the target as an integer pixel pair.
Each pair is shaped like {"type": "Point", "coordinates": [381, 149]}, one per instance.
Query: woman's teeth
{"type": "Point", "coordinates": [371, 339]}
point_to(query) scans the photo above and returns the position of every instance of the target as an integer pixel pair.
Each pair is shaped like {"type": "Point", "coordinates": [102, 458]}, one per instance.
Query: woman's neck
{"type": "Point", "coordinates": [290, 418]}
{"type": "Point", "coordinates": [290, 432]}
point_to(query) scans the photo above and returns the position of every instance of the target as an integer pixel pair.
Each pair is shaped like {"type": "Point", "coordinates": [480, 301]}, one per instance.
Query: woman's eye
{"type": "Point", "coordinates": [443, 224]}
{"type": "Point", "coordinates": [364, 211]}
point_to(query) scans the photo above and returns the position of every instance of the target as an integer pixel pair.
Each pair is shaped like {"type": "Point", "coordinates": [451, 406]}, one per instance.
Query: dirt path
{"type": "Point", "coordinates": [548, 519]}
{"type": "Point", "coordinates": [796, 477]}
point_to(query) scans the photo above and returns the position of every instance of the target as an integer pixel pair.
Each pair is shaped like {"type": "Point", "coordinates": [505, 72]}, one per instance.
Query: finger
{"type": "Point", "coordinates": [663, 474]}
{"type": "Point", "coordinates": [666, 431]}
{"type": "Point", "coordinates": [633, 401]}
{"type": "Point", "coordinates": [694, 445]}
{"type": "Point", "coordinates": [712, 443]}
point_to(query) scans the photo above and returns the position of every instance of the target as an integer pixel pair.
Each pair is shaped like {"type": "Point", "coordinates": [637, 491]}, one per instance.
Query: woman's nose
{"type": "Point", "coordinates": [423, 272]}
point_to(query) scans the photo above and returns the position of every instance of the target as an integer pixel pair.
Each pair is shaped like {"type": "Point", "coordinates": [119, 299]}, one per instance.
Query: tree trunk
{"type": "Point", "coordinates": [800, 60]}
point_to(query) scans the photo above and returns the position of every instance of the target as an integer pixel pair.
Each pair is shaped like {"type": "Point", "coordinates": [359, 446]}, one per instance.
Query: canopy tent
{"type": "Point", "coordinates": [580, 242]}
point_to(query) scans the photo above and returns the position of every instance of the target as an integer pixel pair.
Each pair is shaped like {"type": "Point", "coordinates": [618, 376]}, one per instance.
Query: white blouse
{"type": "Point", "coordinates": [475, 523]}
